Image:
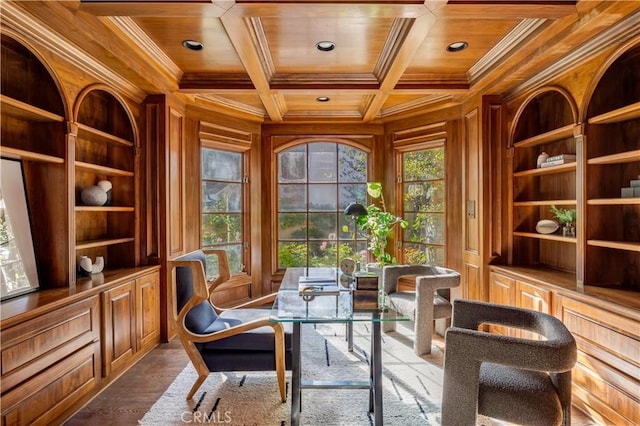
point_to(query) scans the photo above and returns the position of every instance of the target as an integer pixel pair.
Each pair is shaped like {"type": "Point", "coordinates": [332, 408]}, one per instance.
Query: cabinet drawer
{"type": "Point", "coordinates": [607, 377]}
{"type": "Point", "coordinates": [44, 397]}
{"type": "Point", "coordinates": [34, 345]}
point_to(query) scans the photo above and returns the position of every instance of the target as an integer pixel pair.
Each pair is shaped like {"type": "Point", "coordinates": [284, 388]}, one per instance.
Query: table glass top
{"type": "Point", "coordinates": [328, 301]}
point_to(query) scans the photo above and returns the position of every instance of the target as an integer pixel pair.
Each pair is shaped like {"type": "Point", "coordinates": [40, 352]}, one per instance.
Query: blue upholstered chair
{"type": "Point", "coordinates": [237, 339]}
{"type": "Point", "coordinates": [518, 380]}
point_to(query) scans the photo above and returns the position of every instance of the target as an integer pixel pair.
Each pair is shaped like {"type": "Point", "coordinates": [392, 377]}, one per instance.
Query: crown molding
{"type": "Point", "coordinates": [615, 35]}
{"type": "Point", "coordinates": [35, 30]}
{"type": "Point", "coordinates": [130, 29]}
{"type": "Point", "coordinates": [518, 34]}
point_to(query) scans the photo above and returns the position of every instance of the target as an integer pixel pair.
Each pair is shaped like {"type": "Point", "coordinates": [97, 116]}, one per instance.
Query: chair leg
{"type": "Point", "coordinates": [199, 381]}
{"type": "Point", "coordinates": [280, 361]}
{"type": "Point", "coordinates": [198, 364]}
{"type": "Point", "coordinates": [422, 336]}
{"type": "Point", "coordinates": [388, 326]}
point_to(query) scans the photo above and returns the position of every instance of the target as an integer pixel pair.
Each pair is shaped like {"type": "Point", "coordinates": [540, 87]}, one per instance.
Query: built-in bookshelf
{"type": "Point", "coordinates": [545, 124]}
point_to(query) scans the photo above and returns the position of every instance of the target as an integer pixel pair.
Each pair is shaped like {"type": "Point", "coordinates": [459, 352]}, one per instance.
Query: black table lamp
{"type": "Point", "coordinates": [355, 210]}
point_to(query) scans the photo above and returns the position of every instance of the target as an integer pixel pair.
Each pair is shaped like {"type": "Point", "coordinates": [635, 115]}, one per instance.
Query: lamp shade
{"type": "Point", "coordinates": [355, 210]}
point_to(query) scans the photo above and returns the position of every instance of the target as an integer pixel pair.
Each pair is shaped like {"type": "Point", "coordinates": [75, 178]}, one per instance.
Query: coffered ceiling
{"type": "Point", "coordinates": [259, 58]}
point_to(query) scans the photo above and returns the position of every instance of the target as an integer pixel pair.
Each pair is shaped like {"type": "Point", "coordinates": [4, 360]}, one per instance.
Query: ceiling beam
{"type": "Point", "coordinates": [183, 8]}
{"type": "Point", "coordinates": [248, 41]}
{"type": "Point", "coordinates": [503, 9]}
{"type": "Point", "coordinates": [406, 42]}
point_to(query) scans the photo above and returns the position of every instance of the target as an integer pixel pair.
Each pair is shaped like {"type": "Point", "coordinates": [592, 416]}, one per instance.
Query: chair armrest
{"type": "Point", "coordinates": [539, 355]}
{"type": "Point", "coordinates": [232, 331]}
{"type": "Point", "coordinates": [260, 301]}
{"type": "Point", "coordinates": [223, 268]}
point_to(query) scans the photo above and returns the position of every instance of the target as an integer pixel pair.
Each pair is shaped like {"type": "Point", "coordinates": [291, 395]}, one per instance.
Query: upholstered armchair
{"type": "Point", "coordinates": [431, 300]}
{"type": "Point", "coordinates": [237, 339]}
{"type": "Point", "coordinates": [517, 380]}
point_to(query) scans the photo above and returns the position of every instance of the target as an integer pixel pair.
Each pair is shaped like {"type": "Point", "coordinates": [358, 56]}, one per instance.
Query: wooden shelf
{"type": "Point", "coordinates": [620, 245]}
{"type": "Point", "coordinates": [544, 203]}
{"type": "Point", "coordinates": [19, 154]}
{"type": "Point", "coordinates": [104, 209]}
{"type": "Point", "coordinates": [562, 168]}
{"type": "Point", "coordinates": [619, 158]}
{"type": "Point", "coordinates": [549, 237]}
{"type": "Point", "coordinates": [81, 245]}
{"type": "Point", "coordinates": [613, 201]}
{"type": "Point", "coordinates": [551, 136]}
{"type": "Point", "coordinates": [88, 132]}
{"type": "Point", "coordinates": [625, 113]}
{"type": "Point", "coordinates": [102, 169]}
{"type": "Point", "coordinates": [24, 111]}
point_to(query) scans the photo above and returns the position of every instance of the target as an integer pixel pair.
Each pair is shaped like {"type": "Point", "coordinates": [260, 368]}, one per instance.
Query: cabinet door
{"type": "Point", "coordinates": [119, 342]}
{"type": "Point", "coordinates": [501, 291]}
{"type": "Point", "coordinates": [531, 297]}
{"type": "Point", "coordinates": [147, 311]}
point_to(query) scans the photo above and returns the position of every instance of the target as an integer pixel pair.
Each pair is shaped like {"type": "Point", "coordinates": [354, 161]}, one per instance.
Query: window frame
{"type": "Point", "coordinates": [399, 191]}
{"type": "Point", "coordinates": [364, 144]}
{"type": "Point", "coordinates": [245, 212]}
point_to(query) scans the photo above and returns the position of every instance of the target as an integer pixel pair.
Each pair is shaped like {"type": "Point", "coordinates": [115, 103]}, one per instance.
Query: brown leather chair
{"type": "Point", "coordinates": [236, 339]}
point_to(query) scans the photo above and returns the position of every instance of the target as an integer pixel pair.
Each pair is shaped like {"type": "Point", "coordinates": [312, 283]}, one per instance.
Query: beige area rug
{"type": "Point", "coordinates": [412, 387]}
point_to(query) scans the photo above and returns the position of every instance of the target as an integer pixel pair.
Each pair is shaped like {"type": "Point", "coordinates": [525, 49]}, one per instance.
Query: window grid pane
{"type": "Point", "coordinates": [222, 209]}
{"type": "Point", "coordinates": [423, 195]}
{"type": "Point", "coordinates": [316, 181]}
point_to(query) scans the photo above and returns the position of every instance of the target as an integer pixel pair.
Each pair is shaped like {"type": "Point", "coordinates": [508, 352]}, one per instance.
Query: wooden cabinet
{"type": "Point", "coordinates": [605, 323]}
{"type": "Point", "coordinates": [49, 362]}
{"type": "Point", "coordinates": [606, 379]}
{"type": "Point", "coordinates": [612, 154]}
{"type": "Point", "coordinates": [507, 290]}
{"type": "Point", "coordinates": [131, 321]}
{"type": "Point", "coordinates": [56, 341]}
{"type": "Point", "coordinates": [147, 312]}
{"type": "Point", "coordinates": [119, 343]}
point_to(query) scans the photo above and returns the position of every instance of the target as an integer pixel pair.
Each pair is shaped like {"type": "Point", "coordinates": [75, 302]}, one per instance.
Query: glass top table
{"type": "Point", "coordinates": [328, 301]}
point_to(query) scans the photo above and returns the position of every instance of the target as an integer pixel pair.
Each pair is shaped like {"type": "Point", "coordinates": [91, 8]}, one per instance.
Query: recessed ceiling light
{"type": "Point", "coordinates": [457, 46]}
{"type": "Point", "coordinates": [325, 46]}
{"type": "Point", "coordinates": [323, 99]}
{"type": "Point", "coordinates": [192, 44]}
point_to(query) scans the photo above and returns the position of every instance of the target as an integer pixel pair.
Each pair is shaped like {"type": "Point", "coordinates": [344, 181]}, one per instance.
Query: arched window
{"type": "Point", "coordinates": [316, 181]}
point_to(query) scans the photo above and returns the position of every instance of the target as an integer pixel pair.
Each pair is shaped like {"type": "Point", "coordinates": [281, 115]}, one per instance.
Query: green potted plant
{"type": "Point", "coordinates": [566, 217]}
{"type": "Point", "coordinates": [378, 223]}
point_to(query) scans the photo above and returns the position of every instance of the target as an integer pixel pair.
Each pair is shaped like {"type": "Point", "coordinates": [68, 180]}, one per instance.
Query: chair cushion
{"type": "Point", "coordinates": [405, 301]}
{"type": "Point", "coordinates": [521, 396]}
{"type": "Point", "coordinates": [258, 339]}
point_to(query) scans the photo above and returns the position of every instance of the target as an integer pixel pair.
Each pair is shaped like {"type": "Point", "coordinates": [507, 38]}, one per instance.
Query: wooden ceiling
{"type": "Point", "coordinates": [391, 59]}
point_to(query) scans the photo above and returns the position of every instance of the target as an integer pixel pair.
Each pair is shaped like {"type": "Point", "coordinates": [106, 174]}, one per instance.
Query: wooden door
{"type": "Point", "coordinates": [119, 342]}
{"type": "Point", "coordinates": [147, 311]}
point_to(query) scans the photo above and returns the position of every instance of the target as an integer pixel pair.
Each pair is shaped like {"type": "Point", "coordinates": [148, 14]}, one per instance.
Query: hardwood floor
{"type": "Point", "coordinates": [128, 399]}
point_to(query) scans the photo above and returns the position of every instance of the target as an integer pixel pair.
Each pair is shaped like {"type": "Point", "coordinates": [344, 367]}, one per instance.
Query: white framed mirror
{"type": "Point", "coordinates": [18, 272]}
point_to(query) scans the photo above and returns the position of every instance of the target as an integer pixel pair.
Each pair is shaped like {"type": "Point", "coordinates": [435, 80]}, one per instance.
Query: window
{"type": "Point", "coordinates": [423, 198]}
{"type": "Point", "coordinates": [223, 207]}
{"type": "Point", "coordinates": [316, 182]}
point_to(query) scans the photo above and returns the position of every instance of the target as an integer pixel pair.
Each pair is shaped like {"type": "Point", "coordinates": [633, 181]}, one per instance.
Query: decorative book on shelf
{"type": "Point", "coordinates": [557, 160]}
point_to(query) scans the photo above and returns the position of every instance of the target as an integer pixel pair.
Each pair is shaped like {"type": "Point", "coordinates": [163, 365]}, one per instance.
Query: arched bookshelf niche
{"type": "Point", "coordinates": [612, 178]}
{"type": "Point", "coordinates": [544, 124]}
{"type": "Point", "coordinates": [33, 131]}
{"type": "Point", "coordinates": [105, 150]}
